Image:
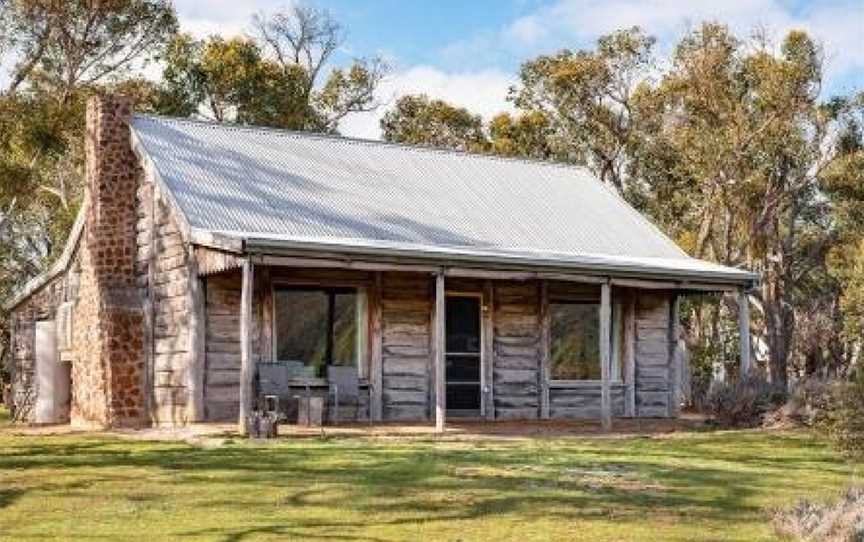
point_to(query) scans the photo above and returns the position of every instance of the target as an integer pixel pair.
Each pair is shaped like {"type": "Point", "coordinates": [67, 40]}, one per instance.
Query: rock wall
{"type": "Point", "coordinates": [108, 365]}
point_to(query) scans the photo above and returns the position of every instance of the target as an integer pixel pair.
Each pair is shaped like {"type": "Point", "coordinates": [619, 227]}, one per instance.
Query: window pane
{"type": "Point", "coordinates": [301, 327]}
{"type": "Point", "coordinates": [575, 335]}
{"type": "Point", "coordinates": [345, 330]}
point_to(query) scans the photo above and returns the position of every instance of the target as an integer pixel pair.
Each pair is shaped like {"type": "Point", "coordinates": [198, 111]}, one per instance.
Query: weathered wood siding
{"type": "Point", "coordinates": [406, 366]}
{"type": "Point", "coordinates": [406, 302]}
{"type": "Point", "coordinates": [583, 400]}
{"type": "Point", "coordinates": [516, 336]}
{"type": "Point", "coordinates": [222, 351]}
{"type": "Point", "coordinates": [653, 354]}
{"type": "Point", "coordinates": [163, 270]}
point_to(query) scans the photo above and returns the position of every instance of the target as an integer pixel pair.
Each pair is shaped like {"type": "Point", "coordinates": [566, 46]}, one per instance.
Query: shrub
{"type": "Point", "coordinates": [743, 403]}
{"type": "Point", "coordinates": [844, 419]}
{"type": "Point", "coordinates": [807, 405]}
{"type": "Point", "coordinates": [841, 521]}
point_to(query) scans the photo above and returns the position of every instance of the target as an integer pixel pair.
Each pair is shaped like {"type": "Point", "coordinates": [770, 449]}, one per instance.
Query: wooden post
{"type": "Point", "coordinates": [488, 330]}
{"type": "Point", "coordinates": [438, 331]}
{"type": "Point", "coordinates": [605, 355]}
{"type": "Point", "coordinates": [545, 323]}
{"type": "Point", "coordinates": [630, 355]}
{"type": "Point", "coordinates": [376, 368]}
{"type": "Point", "coordinates": [744, 332]}
{"type": "Point", "coordinates": [247, 368]}
{"type": "Point", "coordinates": [674, 372]}
{"type": "Point", "coordinates": [195, 373]}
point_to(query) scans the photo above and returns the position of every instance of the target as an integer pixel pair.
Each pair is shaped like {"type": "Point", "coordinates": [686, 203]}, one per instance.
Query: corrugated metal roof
{"type": "Point", "coordinates": [258, 183]}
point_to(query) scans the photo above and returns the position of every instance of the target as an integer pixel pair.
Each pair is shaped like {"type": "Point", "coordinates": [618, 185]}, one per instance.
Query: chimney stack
{"type": "Point", "coordinates": [108, 369]}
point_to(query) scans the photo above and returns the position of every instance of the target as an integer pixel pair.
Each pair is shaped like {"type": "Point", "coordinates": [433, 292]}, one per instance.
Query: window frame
{"type": "Point", "coordinates": [361, 311]}
{"type": "Point", "coordinates": [615, 348]}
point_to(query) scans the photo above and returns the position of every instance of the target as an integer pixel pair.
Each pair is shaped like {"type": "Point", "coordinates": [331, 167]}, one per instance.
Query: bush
{"type": "Point", "coordinates": [743, 403]}
{"type": "Point", "coordinates": [808, 404]}
{"type": "Point", "coordinates": [844, 419]}
{"type": "Point", "coordinates": [841, 521]}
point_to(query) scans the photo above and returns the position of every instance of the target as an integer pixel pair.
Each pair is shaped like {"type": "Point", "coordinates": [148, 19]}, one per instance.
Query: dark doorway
{"type": "Point", "coordinates": [463, 355]}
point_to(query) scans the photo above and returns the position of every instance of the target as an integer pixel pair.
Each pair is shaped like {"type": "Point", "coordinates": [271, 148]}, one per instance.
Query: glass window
{"type": "Point", "coordinates": [575, 336]}
{"type": "Point", "coordinates": [317, 327]}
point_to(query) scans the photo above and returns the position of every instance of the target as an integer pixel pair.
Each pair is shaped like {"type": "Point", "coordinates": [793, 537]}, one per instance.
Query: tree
{"type": "Point", "coordinates": [587, 96]}
{"type": "Point", "coordinates": [230, 81]}
{"type": "Point", "coordinates": [61, 52]}
{"type": "Point", "coordinates": [528, 135]}
{"type": "Point", "coordinates": [419, 120]}
{"type": "Point", "coordinates": [82, 42]}
{"type": "Point", "coordinates": [275, 79]}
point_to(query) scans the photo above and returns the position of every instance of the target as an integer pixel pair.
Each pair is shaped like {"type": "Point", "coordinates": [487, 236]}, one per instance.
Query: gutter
{"type": "Point", "coordinates": [262, 246]}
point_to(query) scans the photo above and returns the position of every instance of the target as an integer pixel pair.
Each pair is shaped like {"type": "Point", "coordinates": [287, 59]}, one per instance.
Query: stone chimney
{"type": "Point", "coordinates": [108, 366]}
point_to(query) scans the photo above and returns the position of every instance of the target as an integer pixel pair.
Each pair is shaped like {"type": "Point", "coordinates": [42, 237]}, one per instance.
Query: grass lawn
{"type": "Point", "coordinates": [687, 486]}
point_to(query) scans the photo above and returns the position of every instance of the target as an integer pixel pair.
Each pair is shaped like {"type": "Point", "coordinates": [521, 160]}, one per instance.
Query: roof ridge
{"type": "Point", "coordinates": [364, 141]}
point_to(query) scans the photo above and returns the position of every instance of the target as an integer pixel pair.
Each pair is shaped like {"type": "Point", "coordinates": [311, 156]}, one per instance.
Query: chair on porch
{"type": "Point", "coordinates": [345, 389]}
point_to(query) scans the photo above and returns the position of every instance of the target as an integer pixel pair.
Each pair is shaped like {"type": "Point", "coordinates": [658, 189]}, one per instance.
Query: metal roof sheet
{"type": "Point", "coordinates": [257, 183]}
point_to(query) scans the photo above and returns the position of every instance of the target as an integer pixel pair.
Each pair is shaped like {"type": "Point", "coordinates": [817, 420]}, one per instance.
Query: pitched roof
{"type": "Point", "coordinates": [270, 186]}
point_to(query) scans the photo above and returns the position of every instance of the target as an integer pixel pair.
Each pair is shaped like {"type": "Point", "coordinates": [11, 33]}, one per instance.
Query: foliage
{"type": "Point", "coordinates": [839, 521]}
{"type": "Point", "coordinates": [270, 80]}
{"type": "Point", "coordinates": [844, 419]}
{"type": "Point", "coordinates": [808, 404]}
{"type": "Point", "coordinates": [528, 135]}
{"type": "Point", "coordinates": [683, 486]}
{"type": "Point", "coordinates": [744, 402]}
{"type": "Point", "coordinates": [731, 148]}
{"type": "Point", "coordinates": [587, 97]}
{"type": "Point", "coordinates": [419, 120]}
{"type": "Point", "coordinates": [61, 53]}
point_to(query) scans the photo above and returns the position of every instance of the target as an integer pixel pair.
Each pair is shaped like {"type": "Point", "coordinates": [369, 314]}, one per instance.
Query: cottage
{"type": "Point", "coordinates": [210, 262]}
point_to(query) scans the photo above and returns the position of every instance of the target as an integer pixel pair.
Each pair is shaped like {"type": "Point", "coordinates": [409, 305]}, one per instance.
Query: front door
{"type": "Point", "coordinates": [463, 355]}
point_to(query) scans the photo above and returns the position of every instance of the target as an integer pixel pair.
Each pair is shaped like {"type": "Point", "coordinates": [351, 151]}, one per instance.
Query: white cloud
{"type": "Point", "coordinates": [224, 17]}
{"type": "Point", "coordinates": [839, 26]}
{"type": "Point", "coordinates": [482, 92]}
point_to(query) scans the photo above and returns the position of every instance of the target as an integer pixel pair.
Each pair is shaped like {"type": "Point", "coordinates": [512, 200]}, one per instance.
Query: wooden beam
{"type": "Point", "coordinates": [341, 263]}
{"type": "Point", "coordinates": [630, 355]}
{"type": "Point", "coordinates": [438, 331]}
{"type": "Point", "coordinates": [376, 368]}
{"type": "Point", "coordinates": [197, 338]}
{"type": "Point", "coordinates": [545, 337]}
{"type": "Point", "coordinates": [247, 367]}
{"type": "Point", "coordinates": [744, 331]}
{"type": "Point", "coordinates": [488, 329]}
{"type": "Point", "coordinates": [605, 355]}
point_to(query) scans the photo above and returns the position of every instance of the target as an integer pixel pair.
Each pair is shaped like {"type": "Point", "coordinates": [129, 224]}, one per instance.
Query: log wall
{"type": "Point", "coordinates": [406, 308]}
{"type": "Point", "coordinates": [514, 376]}
{"type": "Point", "coordinates": [653, 355]}
{"type": "Point", "coordinates": [164, 271]}
{"type": "Point", "coordinates": [516, 338]}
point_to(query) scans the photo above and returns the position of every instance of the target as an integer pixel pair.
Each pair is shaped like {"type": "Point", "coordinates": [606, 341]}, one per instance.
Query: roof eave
{"type": "Point", "coordinates": [739, 279]}
{"type": "Point", "coordinates": [59, 266]}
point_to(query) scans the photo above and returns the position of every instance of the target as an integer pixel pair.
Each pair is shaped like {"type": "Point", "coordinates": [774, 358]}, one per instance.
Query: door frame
{"type": "Point", "coordinates": [480, 305]}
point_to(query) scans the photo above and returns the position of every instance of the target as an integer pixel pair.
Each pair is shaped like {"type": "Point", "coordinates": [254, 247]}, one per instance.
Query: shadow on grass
{"type": "Point", "coordinates": [702, 477]}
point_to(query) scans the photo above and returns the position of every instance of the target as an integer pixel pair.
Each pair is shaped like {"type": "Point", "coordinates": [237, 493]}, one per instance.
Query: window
{"type": "Point", "coordinates": [317, 327]}
{"type": "Point", "coordinates": [575, 336]}
{"type": "Point", "coordinates": [575, 340]}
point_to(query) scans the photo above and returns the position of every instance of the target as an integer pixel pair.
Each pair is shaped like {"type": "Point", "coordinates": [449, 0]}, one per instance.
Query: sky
{"type": "Point", "coordinates": [468, 52]}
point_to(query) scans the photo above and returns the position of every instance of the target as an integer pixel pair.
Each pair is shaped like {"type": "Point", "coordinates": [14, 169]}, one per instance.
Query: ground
{"type": "Point", "coordinates": [686, 485]}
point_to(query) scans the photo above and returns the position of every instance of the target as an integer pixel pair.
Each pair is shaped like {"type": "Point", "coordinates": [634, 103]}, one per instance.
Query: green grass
{"type": "Point", "coordinates": [689, 486]}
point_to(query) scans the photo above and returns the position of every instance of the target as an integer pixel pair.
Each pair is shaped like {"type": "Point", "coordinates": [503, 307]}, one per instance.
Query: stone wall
{"type": "Point", "coordinates": [108, 365]}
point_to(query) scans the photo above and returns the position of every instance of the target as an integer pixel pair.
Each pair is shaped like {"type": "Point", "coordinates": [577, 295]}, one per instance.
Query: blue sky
{"type": "Point", "coordinates": [468, 51]}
